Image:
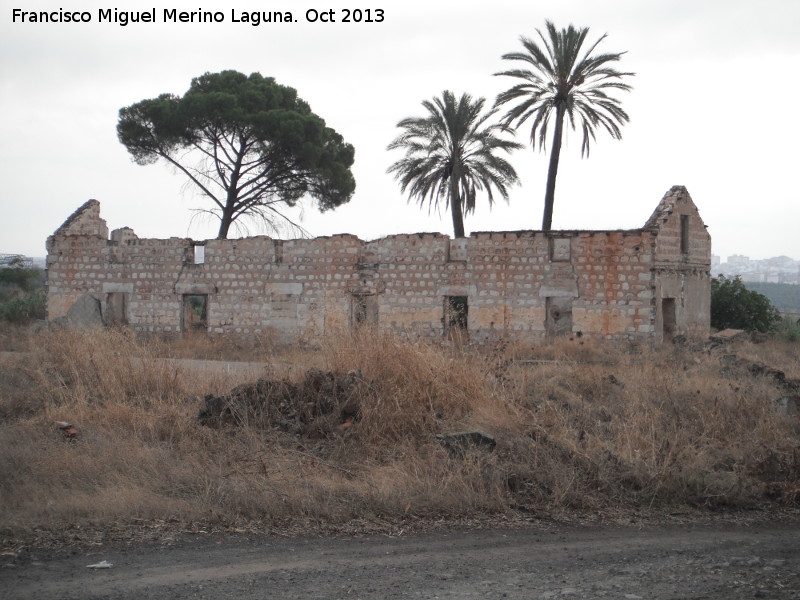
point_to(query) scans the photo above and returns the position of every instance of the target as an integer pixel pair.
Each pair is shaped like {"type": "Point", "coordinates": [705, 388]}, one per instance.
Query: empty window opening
{"type": "Point", "coordinates": [558, 320]}
{"type": "Point", "coordinates": [359, 310]}
{"type": "Point", "coordinates": [364, 310]}
{"type": "Point", "coordinates": [560, 249]}
{"type": "Point", "coordinates": [456, 315]}
{"type": "Point", "coordinates": [199, 253]}
{"type": "Point", "coordinates": [684, 234]}
{"type": "Point", "coordinates": [195, 311]}
{"type": "Point", "coordinates": [668, 318]}
{"type": "Point", "coordinates": [116, 308]}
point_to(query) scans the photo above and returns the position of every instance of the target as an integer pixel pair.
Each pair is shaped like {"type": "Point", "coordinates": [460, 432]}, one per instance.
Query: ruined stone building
{"type": "Point", "coordinates": [643, 284]}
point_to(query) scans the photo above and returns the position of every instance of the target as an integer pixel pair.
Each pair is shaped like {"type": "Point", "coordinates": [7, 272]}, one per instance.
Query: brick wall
{"type": "Point", "coordinates": [681, 264]}
{"type": "Point", "coordinates": [519, 285]}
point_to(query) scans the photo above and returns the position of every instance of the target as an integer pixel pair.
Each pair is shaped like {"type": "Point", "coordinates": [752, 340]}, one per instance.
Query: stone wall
{"type": "Point", "coordinates": [643, 284]}
{"type": "Point", "coordinates": [681, 264]}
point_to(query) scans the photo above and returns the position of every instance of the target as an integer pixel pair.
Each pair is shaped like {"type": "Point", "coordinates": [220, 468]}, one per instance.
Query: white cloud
{"type": "Point", "coordinates": [710, 110]}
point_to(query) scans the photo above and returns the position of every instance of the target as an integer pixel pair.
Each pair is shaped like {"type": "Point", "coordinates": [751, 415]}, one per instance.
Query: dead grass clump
{"type": "Point", "coordinates": [201, 346]}
{"type": "Point", "coordinates": [103, 366]}
{"type": "Point", "coordinates": [107, 474]}
{"type": "Point", "coordinates": [577, 426]}
{"type": "Point", "coordinates": [414, 389]}
{"type": "Point", "coordinates": [776, 353]}
{"type": "Point", "coordinates": [17, 379]}
{"type": "Point", "coordinates": [15, 337]}
{"type": "Point", "coordinates": [650, 430]}
{"type": "Point", "coordinates": [424, 481]}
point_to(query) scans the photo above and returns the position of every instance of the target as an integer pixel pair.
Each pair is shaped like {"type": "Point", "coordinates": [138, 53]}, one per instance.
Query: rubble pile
{"type": "Point", "coordinates": [321, 404]}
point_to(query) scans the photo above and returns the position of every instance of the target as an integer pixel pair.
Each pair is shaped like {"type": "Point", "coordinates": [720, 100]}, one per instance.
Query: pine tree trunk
{"type": "Point", "coordinates": [224, 226]}
{"type": "Point", "coordinates": [226, 219]}
{"type": "Point", "coordinates": [231, 200]}
{"type": "Point", "coordinates": [552, 171]}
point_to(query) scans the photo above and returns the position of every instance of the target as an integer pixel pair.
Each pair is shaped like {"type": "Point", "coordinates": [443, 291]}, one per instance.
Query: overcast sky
{"type": "Point", "coordinates": [714, 108]}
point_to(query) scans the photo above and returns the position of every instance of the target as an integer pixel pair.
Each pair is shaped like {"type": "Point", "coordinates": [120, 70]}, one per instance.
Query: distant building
{"type": "Point", "coordinates": [779, 269]}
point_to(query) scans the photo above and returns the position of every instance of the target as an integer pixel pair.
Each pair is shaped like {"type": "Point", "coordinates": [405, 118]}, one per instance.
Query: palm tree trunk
{"type": "Point", "coordinates": [552, 171]}
{"type": "Point", "coordinates": [455, 208]}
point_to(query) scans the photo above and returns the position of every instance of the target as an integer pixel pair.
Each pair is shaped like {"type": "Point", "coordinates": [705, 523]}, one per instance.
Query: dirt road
{"type": "Point", "coordinates": [657, 563]}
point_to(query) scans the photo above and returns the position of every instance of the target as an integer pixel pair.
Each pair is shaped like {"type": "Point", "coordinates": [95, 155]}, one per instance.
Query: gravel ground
{"type": "Point", "coordinates": [714, 561]}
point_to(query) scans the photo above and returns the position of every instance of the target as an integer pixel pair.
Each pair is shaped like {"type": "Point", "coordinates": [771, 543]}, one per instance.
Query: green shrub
{"type": "Point", "coordinates": [22, 293]}
{"type": "Point", "coordinates": [25, 308]}
{"type": "Point", "coordinates": [788, 329]}
{"type": "Point", "coordinates": [734, 306]}
{"type": "Point", "coordinates": [17, 275]}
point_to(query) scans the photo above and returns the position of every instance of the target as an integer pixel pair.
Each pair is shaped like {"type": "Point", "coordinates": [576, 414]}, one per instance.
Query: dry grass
{"type": "Point", "coordinates": [578, 425]}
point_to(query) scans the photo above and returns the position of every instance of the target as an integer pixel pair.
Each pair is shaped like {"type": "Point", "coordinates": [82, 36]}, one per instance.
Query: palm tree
{"type": "Point", "coordinates": [559, 79]}
{"type": "Point", "coordinates": [451, 156]}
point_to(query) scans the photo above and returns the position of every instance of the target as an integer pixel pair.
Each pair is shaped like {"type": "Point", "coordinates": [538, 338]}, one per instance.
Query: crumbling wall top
{"type": "Point", "coordinates": [675, 195]}
{"type": "Point", "coordinates": [85, 221]}
{"type": "Point", "coordinates": [123, 234]}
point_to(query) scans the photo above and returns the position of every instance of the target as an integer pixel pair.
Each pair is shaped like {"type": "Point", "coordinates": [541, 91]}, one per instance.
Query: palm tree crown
{"type": "Point", "coordinates": [561, 80]}
{"type": "Point", "coordinates": [451, 155]}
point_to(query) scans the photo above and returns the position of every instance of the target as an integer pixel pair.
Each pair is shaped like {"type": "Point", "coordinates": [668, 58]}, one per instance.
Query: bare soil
{"type": "Point", "coordinates": [709, 561]}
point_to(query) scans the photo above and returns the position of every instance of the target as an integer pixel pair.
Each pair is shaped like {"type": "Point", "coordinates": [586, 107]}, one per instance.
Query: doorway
{"type": "Point", "coordinates": [195, 312]}
{"type": "Point", "coordinates": [116, 308]}
{"type": "Point", "coordinates": [456, 317]}
{"type": "Point", "coordinates": [668, 318]}
{"type": "Point", "coordinates": [558, 322]}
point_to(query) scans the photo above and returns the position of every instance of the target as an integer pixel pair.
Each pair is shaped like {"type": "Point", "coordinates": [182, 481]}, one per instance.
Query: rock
{"type": "Point", "coordinates": [68, 429]}
{"type": "Point", "coordinates": [457, 444]}
{"type": "Point", "coordinates": [85, 313]}
{"type": "Point", "coordinates": [728, 335]}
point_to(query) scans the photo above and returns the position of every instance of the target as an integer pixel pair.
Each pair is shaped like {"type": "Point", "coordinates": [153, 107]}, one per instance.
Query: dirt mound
{"type": "Point", "coordinates": [323, 403]}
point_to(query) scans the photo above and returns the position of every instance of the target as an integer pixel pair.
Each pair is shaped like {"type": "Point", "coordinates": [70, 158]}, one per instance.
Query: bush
{"type": "Point", "coordinates": [19, 276]}
{"type": "Point", "coordinates": [22, 294]}
{"type": "Point", "coordinates": [22, 309]}
{"type": "Point", "coordinates": [788, 329]}
{"type": "Point", "coordinates": [734, 306]}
